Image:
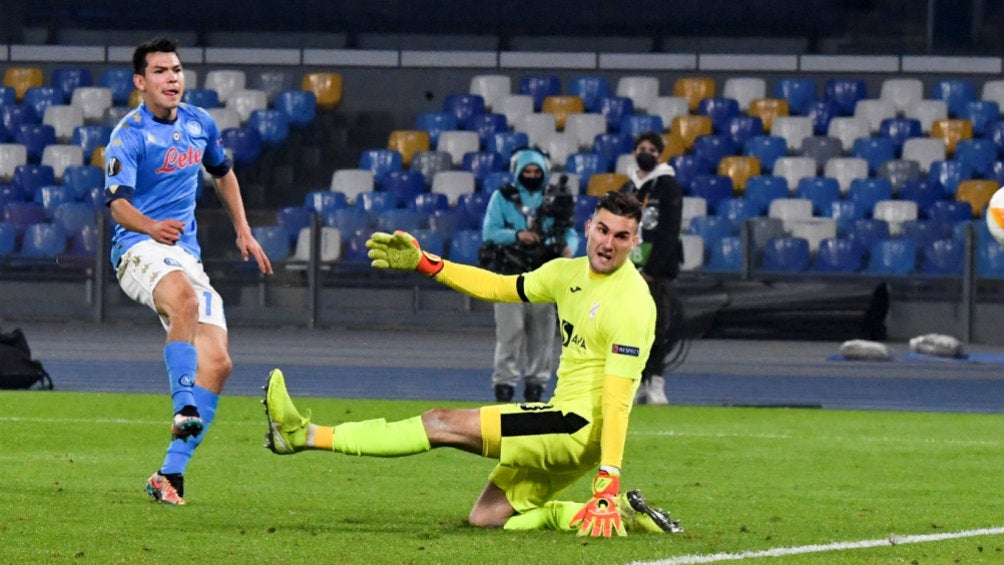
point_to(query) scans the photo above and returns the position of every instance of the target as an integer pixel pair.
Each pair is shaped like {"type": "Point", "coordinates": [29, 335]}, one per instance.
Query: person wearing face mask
{"type": "Point", "coordinates": [519, 234]}
{"type": "Point", "coordinates": [660, 253]}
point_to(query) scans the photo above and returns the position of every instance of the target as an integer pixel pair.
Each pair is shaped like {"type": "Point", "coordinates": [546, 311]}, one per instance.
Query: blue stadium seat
{"type": "Point", "coordinates": [741, 129]}
{"type": "Point", "coordinates": [590, 89]}
{"type": "Point", "coordinates": [615, 109]}
{"type": "Point", "coordinates": [380, 162]}
{"type": "Point", "coordinates": [686, 167]}
{"type": "Point", "coordinates": [28, 178]}
{"type": "Point", "coordinates": [82, 178]}
{"type": "Point", "coordinates": [35, 137]}
{"type": "Point", "coordinates": [925, 232]}
{"type": "Point", "coordinates": [800, 92]}
{"type": "Point", "coordinates": [38, 98]}
{"type": "Point", "coordinates": [274, 240]}
{"type": "Point", "coordinates": [23, 214]}
{"type": "Point", "coordinates": [447, 221]}
{"type": "Point", "coordinates": [875, 150]}
{"type": "Point", "coordinates": [66, 79]}
{"type": "Point", "coordinates": [119, 81]}
{"type": "Point", "coordinates": [465, 108]}
{"type": "Point", "coordinates": [585, 205]}
{"type": "Point", "coordinates": [761, 190]}
{"type": "Point", "coordinates": [766, 148]}
{"type": "Point", "coordinates": [323, 201]}
{"type": "Point", "coordinates": [505, 142]}
{"type": "Point", "coordinates": [612, 146]}
{"type": "Point", "coordinates": [429, 202]}
{"type": "Point", "coordinates": [90, 137]}
{"type": "Point", "coordinates": [712, 188]}
{"type": "Point", "coordinates": [845, 212]}
{"type": "Point", "coordinates": [8, 238]}
{"type": "Point", "coordinates": [374, 201]}
{"type": "Point", "coordinates": [922, 191]}
{"type": "Point", "coordinates": [495, 181]}
{"type": "Point", "coordinates": [83, 241]}
{"type": "Point", "coordinates": [539, 87]}
{"type": "Point", "coordinates": [899, 130]}
{"type": "Point", "coordinates": [7, 96]}
{"type": "Point", "coordinates": [726, 255]}
{"type": "Point", "coordinates": [942, 257]}
{"type": "Point", "coordinates": [720, 110]}
{"type": "Point", "coordinates": [15, 116]}
{"type": "Point", "coordinates": [272, 126]}
{"type": "Point", "coordinates": [300, 106]}
{"type": "Point", "coordinates": [487, 125]}
{"type": "Point", "coordinates": [711, 228]}
{"type": "Point", "coordinates": [983, 114]}
{"type": "Point", "coordinates": [349, 220]}
{"type": "Point", "coordinates": [736, 211]}
{"type": "Point", "coordinates": [979, 154]}
{"type": "Point", "coordinates": [821, 112]}
{"type": "Point", "coordinates": [989, 259]}
{"type": "Point", "coordinates": [950, 211]}
{"type": "Point", "coordinates": [956, 93]}
{"type": "Point", "coordinates": [399, 219]}
{"type": "Point", "coordinates": [355, 247]}
{"type": "Point", "coordinates": [482, 163]}
{"type": "Point", "coordinates": [71, 216]}
{"type": "Point", "coordinates": [43, 240]}
{"type": "Point", "coordinates": [868, 231]}
{"type": "Point", "coordinates": [202, 97]}
{"type": "Point", "coordinates": [52, 195]}
{"type": "Point", "coordinates": [585, 165]}
{"type": "Point", "coordinates": [431, 240]}
{"type": "Point", "coordinates": [473, 205]}
{"type": "Point", "coordinates": [245, 143]}
{"type": "Point", "coordinates": [997, 173]}
{"type": "Point", "coordinates": [403, 186]}
{"type": "Point", "coordinates": [436, 123]}
{"type": "Point", "coordinates": [822, 191]}
{"type": "Point", "coordinates": [867, 191]}
{"type": "Point", "coordinates": [786, 255]}
{"type": "Point", "coordinates": [294, 219]}
{"type": "Point", "coordinates": [948, 173]}
{"type": "Point", "coordinates": [710, 149]}
{"type": "Point", "coordinates": [464, 246]}
{"type": "Point", "coordinates": [892, 257]}
{"type": "Point", "coordinates": [845, 93]}
{"type": "Point", "coordinates": [839, 255]}
{"type": "Point", "coordinates": [635, 124]}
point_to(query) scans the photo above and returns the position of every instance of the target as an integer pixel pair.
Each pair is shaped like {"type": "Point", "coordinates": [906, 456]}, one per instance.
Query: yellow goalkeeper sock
{"type": "Point", "coordinates": [553, 515]}
{"type": "Point", "coordinates": [378, 438]}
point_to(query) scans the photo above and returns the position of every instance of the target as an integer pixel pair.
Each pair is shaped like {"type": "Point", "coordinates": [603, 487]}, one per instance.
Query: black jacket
{"type": "Point", "coordinates": [662, 199]}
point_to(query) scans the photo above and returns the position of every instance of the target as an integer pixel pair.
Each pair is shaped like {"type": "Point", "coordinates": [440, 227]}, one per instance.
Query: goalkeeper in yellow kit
{"type": "Point", "coordinates": [607, 320]}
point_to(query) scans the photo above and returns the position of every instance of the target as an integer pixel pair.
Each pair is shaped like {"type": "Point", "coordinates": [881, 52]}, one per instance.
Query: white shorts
{"type": "Point", "coordinates": [145, 264]}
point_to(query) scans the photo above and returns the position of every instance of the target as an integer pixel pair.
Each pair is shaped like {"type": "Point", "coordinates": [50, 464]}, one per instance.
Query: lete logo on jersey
{"type": "Point", "coordinates": [174, 159]}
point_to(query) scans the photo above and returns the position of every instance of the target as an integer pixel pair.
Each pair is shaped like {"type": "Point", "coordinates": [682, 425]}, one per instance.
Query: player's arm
{"type": "Point", "coordinates": [229, 191]}
{"type": "Point", "coordinates": [402, 252]}
{"type": "Point", "coordinates": [166, 231]}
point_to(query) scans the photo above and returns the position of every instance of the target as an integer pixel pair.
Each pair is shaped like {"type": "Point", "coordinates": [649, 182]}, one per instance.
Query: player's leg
{"type": "Point", "coordinates": [541, 328]}
{"type": "Point", "coordinates": [510, 336]}
{"type": "Point", "coordinates": [175, 300]}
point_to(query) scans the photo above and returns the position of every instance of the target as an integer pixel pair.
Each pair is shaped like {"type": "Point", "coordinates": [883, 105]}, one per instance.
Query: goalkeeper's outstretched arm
{"type": "Point", "coordinates": [401, 251]}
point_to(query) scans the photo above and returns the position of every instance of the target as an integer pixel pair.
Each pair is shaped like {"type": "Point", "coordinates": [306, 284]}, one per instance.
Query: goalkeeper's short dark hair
{"type": "Point", "coordinates": [156, 45]}
{"type": "Point", "coordinates": [620, 204]}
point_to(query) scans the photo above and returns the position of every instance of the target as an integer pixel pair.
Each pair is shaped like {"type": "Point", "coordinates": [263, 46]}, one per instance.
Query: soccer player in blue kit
{"type": "Point", "coordinates": [153, 167]}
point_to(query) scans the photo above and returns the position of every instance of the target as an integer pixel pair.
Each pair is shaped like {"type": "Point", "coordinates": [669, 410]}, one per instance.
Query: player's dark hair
{"type": "Point", "coordinates": [651, 137]}
{"type": "Point", "coordinates": [620, 204]}
{"type": "Point", "coordinates": [155, 45]}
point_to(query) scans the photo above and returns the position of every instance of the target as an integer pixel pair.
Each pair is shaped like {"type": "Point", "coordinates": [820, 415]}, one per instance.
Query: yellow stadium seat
{"type": "Point", "coordinates": [21, 79]}
{"type": "Point", "coordinates": [740, 169]}
{"type": "Point", "coordinates": [326, 86]}
{"type": "Point", "coordinates": [767, 109]}
{"type": "Point", "coordinates": [977, 192]}
{"type": "Point", "coordinates": [407, 142]}
{"type": "Point", "coordinates": [602, 183]}
{"type": "Point", "coordinates": [952, 131]}
{"type": "Point", "coordinates": [694, 89]}
{"type": "Point", "coordinates": [689, 128]}
{"type": "Point", "coordinates": [673, 145]}
{"type": "Point", "coordinates": [98, 157]}
{"type": "Point", "coordinates": [135, 97]}
{"type": "Point", "coordinates": [561, 107]}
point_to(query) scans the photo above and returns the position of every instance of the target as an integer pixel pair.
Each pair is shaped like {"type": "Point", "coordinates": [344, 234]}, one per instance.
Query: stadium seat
{"type": "Point", "coordinates": [23, 78]}
{"type": "Point", "coordinates": [956, 93]}
{"type": "Point", "coordinates": [119, 81]}
{"type": "Point", "coordinates": [226, 83]}
{"type": "Point", "coordinates": [349, 221]}
{"type": "Point", "coordinates": [926, 112]}
{"type": "Point", "coordinates": [669, 107]}
{"type": "Point", "coordinates": [950, 211]}
{"type": "Point", "coordinates": [895, 213]}
{"type": "Point", "coordinates": [245, 101]}
{"type": "Point", "coordinates": [561, 107]}
{"type": "Point", "coordinates": [798, 91]}
{"type": "Point", "coordinates": [982, 114]}
{"type": "Point", "coordinates": [23, 214]}
{"type": "Point", "coordinates": [71, 216]}
{"type": "Point", "coordinates": [38, 98]}
{"type": "Point", "coordinates": [537, 126]}
{"type": "Point", "coordinates": [686, 168]}
{"type": "Point", "coordinates": [90, 137]}
{"type": "Point", "coordinates": [720, 110]}
{"type": "Point", "coordinates": [225, 118]}
{"type": "Point", "coordinates": [741, 129]}
{"type": "Point", "coordinates": [464, 246]}
{"type": "Point", "coordinates": [868, 231]}
{"type": "Point", "coordinates": [845, 212]}
{"type": "Point", "coordinates": [398, 219]}
{"type": "Point", "coordinates": [793, 129]}
{"type": "Point", "coordinates": [693, 252]}
{"type": "Point", "coordinates": [35, 138]}
{"type": "Point", "coordinates": [899, 130]}
{"type": "Point", "coordinates": [8, 239]}
{"type": "Point", "coordinates": [272, 126]}
{"type": "Point", "coordinates": [925, 151]}
{"type": "Point", "coordinates": [244, 142]}
{"type": "Point", "coordinates": [674, 145]}
{"type": "Point", "coordinates": [612, 145]}
{"type": "Point", "coordinates": [615, 109]}
{"type": "Point", "coordinates": [874, 150]}
{"type": "Point", "coordinates": [898, 171]}
{"type": "Point", "coordinates": [539, 87]}
{"type": "Point", "coordinates": [767, 149]}
{"type": "Point", "coordinates": [458, 143]}
{"type": "Point", "coordinates": [712, 188]}
{"type": "Point", "coordinates": [642, 90]}
{"type": "Point", "coordinates": [300, 107]}
{"type": "Point", "coordinates": [293, 219]}
{"type": "Point", "coordinates": [948, 174]}
{"type": "Point", "coordinates": [51, 196]}
{"type": "Point", "coordinates": [272, 82]}
{"type": "Point", "coordinates": [838, 255]}
{"type": "Point", "coordinates": [11, 156]}
{"type": "Point", "coordinates": [822, 112]}
{"type": "Point", "coordinates": [740, 169]}
{"type": "Point", "coordinates": [942, 257]}
{"type": "Point", "coordinates": [847, 129]}
{"type": "Point", "coordinates": [453, 184]}
{"type": "Point", "coordinates": [793, 169]}
{"type": "Point", "coordinates": [375, 202]}
{"type": "Point", "coordinates": [814, 231]}
{"type": "Point", "coordinates": [324, 201]}
{"type": "Point", "coordinates": [762, 229]}
{"type": "Point", "coordinates": [330, 248]}
{"type": "Point", "coordinates": [482, 163]}
{"type": "Point", "coordinates": [892, 257]}
{"type": "Point", "coordinates": [744, 90]}
{"type": "Point", "coordinates": [492, 88]}
{"type": "Point", "coordinates": [845, 170]}
{"type": "Point", "coordinates": [693, 207]}
{"type": "Point", "coordinates": [82, 178]}
{"type": "Point", "coordinates": [989, 258]}
{"type": "Point", "coordinates": [403, 186]}
{"type": "Point", "coordinates": [432, 241]}
{"type": "Point", "coordinates": [431, 162]}
{"type": "Point", "coordinates": [821, 191]}
{"type": "Point", "coordinates": [559, 146]}
{"type": "Point", "coordinates": [505, 142]}
{"type": "Point", "coordinates": [763, 189]}
{"type": "Point", "coordinates": [380, 162]}
{"type": "Point", "coordinates": [712, 148]}
{"type": "Point", "coordinates": [464, 107]}
{"type": "Point", "coordinates": [922, 191]}
{"type": "Point", "coordinates": [977, 192]}
{"type": "Point", "coordinates": [42, 240]}
{"type": "Point", "coordinates": [448, 220]}
{"type": "Point", "coordinates": [902, 93]}
{"type": "Point", "coordinates": [786, 255]}
{"type": "Point", "coordinates": [694, 89]}
{"type": "Point", "coordinates": [201, 97]}
{"type": "Point", "coordinates": [28, 178]}
{"type": "Point", "coordinates": [711, 229]}
{"type": "Point", "coordinates": [821, 148]}
{"type": "Point", "coordinates": [726, 256]}
{"type": "Point", "coordinates": [952, 131]}
{"type": "Point", "coordinates": [585, 165]}
{"type": "Point", "coordinates": [407, 143]}
{"type": "Point", "coordinates": [92, 101]}
{"type": "Point", "coordinates": [736, 211]}
{"type": "Point", "coordinates": [67, 79]}
{"type": "Point", "coordinates": [768, 110]}
{"type": "Point", "coordinates": [435, 123]}
{"type": "Point", "coordinates": [636, 124]}
{"type": "Point", "coordinates": [845, 93]}
{"type": "Point", "coordinates": [979, 153]}
{"type": "Point", "coordinates": [925, 232]}
{"type": "Point", "coordinates": [689, 128]}
{"type": "Point", "coordinates": [601, 183]}
{"type": "Point", "coordinates": [352, 182]}
{"type": "Point", "coordinates": [867, 191]}
{"type": "Point", "coordinates": [590, 88]}
{"type": "Point", "coordinates": [874, 111]}
{"type": "Point", "coordinates": [60, 156]}
{"type": "Point", "coordinates": [584, 128]}
{"type": "Point", "coordinates": [274, 241]}
{"type": "Point", "coordinates": [327, 89]}
{"type": "Point", "coordinates": [790, 210]}
{"type": "Point", "coordinates": [515, 106]}
{"type": "Point", "coordinates": [487, 125]}
{"type": "Point", "coordinates": [473, 205]}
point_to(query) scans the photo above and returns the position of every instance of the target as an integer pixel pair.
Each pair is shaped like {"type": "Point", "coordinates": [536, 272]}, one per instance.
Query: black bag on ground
{"type": "Point", "coordinates": [17, 369]}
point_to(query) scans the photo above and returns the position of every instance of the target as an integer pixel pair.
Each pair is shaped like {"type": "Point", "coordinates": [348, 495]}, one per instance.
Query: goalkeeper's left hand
{"type": "Point", "coordinates": [600, 516]}
{"type": "Point", "coordinates": [402, 252]}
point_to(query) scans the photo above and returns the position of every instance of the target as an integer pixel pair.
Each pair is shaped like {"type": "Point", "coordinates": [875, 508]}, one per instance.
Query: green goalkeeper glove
{"type": "Point", "coordinates": [401, 251]}
{"type": "Point", "coordinates": [600, 516]}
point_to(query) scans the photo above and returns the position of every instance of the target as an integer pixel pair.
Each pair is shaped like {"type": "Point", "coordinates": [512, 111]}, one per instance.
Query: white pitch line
{"type": "Point", "coordinates": [890, 541]}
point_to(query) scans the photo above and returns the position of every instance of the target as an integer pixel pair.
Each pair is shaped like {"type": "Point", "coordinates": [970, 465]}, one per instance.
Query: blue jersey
{"type": "Point", "coordinates": [157, 166]}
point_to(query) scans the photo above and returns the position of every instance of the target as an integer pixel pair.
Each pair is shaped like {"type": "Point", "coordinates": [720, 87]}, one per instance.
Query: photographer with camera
{"type": "Point", "coordinates": [658, 256]}
{"type": "Point", "coordinates": [526, 224]}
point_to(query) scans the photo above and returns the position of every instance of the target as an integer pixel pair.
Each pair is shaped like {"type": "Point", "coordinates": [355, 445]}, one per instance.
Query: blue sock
{"type": "Point", "coordinates": [179, 452]}
{"type": "Point", "coordinates": [182, 362]}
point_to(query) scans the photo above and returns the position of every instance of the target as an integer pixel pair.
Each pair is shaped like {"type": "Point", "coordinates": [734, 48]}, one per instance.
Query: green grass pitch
{"type": "Point", "coordinates": [73, 466]}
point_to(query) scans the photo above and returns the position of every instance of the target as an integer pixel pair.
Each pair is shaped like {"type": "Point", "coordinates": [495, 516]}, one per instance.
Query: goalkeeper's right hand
{"type": "Point", "coordinates": [401, 251]}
